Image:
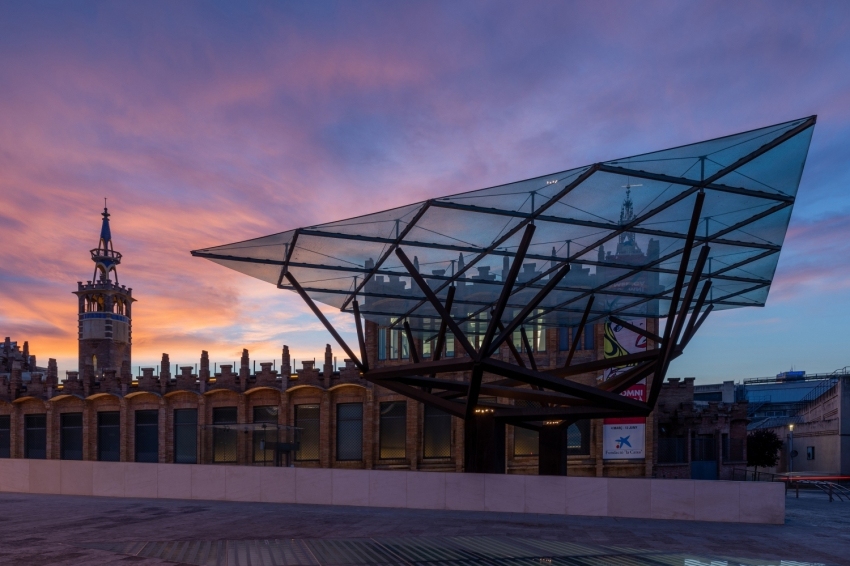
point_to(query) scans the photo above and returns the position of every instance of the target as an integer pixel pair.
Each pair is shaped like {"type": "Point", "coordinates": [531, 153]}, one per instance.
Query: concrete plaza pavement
{"type": "Point", "coordinates": [66, 530]}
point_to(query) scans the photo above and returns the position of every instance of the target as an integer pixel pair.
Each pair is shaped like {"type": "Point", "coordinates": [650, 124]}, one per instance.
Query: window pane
{"type": "Point", "coordinates": [564, 339]}
{"type": "Point", "coordinates": [224, 437]}
{"type": "Point", "coordinates": [71, 436]}
{"type": "Point", "coordinates": [450, 345]}
{"type": "Point", "coordinates": [108, 436]}
{"type": "Point", "coordinates": [147, 436]}
{"type": "Point", "coordinates": [405, 349]}
{"type": "Point", "coordinates": [393, 343]}
{"type": "Point", "coordinates": [437, 434]}
{"type": "Point", "coordinates": [349, 431]}
{"type": "Point", "coordinates": [5, 436]}
{"type": "Point", "coordinates": [264, 441]}
{"type": "Point", "coordinates": [427, 345]}
{"type": "Point", "coordinates": [393, 430]}
{"type": "Point", "coordinates": [35, 436]}
{"type": "Point", "coordinates": [540, 336]}
{"type": "Point", "coordinates": [382, 343]}
{"type": "Point", "coordinates": [526, 442]}
{"type": "Point", "coordinates": [186, 436]}
{"type": "Point", "coordinates": [587, 337]}
{"type": "Point", "coordinates": [307, 419]}
{"type": "Point", "coordinates": [578, 438]}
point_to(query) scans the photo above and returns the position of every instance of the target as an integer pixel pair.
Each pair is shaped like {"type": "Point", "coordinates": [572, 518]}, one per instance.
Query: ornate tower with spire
{"type": "Point", "coordinates": [105, 312]}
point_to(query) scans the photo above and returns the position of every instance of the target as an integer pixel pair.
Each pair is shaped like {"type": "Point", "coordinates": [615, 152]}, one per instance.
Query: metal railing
{"type": "Point", "coordinates": [253, 444]}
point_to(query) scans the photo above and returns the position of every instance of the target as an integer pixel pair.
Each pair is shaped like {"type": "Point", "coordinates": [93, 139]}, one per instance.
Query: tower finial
{"type": "Point", "coordinates": [104, 256]}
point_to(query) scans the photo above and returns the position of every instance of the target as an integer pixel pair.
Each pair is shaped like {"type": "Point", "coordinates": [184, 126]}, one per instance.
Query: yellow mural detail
{"type": "Point", "coordinates": [612, 348]}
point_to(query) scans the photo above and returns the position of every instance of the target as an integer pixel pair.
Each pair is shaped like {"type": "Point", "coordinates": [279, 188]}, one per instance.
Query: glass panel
{"type": "Point", "coordinates": [393, 430]}
{"type": "Point", "coordinates": [437, 434]}
{"type": "Point", "coordinates": [264, 440]}
{"type": "Point", "coordinates": [307, 419]}
{"type": "Point", "coordinates": [35, 436]}
{"type": "Point", "coordinates": [186, 436]}
{"type": "Point", "coordinates": [224, 438]}
{"type": "Point", "coordinates": [5, 436]}
{"type": "Point", "coordinates": [71, 436]}
{"type": "Point", "coordinates": [109, 436]}
{"type": "Point", "coordinates": [147, 436]}
{"type": "Point", "coordinates": [349, 431]}
{"type": "Point", "coordinates": [621, 233]}
{"type": "Point", "coordinates": [526, 442]}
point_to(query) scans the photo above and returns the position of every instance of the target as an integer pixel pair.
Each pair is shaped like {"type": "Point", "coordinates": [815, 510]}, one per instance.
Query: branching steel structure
{"type": "Point", "coordinates": [711, 218]}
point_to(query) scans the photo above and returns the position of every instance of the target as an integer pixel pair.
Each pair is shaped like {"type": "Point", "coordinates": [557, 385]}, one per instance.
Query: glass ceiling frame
{"type": "Point", "coordinates": [408, 305]}
{"type": "Point", "coordinates": [678, 273]}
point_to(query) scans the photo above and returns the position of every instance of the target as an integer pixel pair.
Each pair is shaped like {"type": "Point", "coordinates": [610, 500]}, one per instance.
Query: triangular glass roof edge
{"type": "Point", "coordinates": [777, 125]}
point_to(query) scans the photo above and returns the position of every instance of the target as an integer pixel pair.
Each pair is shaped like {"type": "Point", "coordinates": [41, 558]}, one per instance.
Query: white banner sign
{"type": "Point", "coordinates": [623, 441]}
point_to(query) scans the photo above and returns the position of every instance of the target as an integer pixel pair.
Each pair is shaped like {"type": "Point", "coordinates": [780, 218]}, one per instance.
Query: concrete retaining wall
{"type": "Point", "coordinates": [689, 500]}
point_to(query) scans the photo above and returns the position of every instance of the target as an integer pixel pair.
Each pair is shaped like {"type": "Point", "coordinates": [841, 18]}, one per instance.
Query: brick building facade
{"type": "Point", "coordinates": [103, 412]}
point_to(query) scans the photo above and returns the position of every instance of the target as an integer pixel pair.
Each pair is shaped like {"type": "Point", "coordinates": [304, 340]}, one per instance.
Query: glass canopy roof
{"type": "Point", "coordinates": [620, 224]}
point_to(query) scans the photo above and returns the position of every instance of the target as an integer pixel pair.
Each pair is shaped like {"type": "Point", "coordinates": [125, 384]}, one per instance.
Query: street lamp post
{"type": "Point", "coordinates": [791, 449]}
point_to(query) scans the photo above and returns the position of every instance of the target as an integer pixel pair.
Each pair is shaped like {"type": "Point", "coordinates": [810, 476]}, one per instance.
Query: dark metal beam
{"type": "Point", "coordinates": [530, 414]}
{"type": "Point", "coordinates": [411, 344]}
{"type": "Point", "coordinates": [448, 365]}
{"type": "Point", "coordinates": [324, 320]}
{"type": "Point", "coordinates": [542, 218]}
{"type": "Point", "coordinates": [388, 252]}
{"type": "Point", "coordinates": [636, 329]}
{"type": "Point", "coordinates": [520, 225]}
{"type": "Point", "coordinates": [689, 294]}
{"type": "Point", "coordinates": [441, 335]}
{"type": "Point", "coordinates": [290, 248]}
{"type": "Point", "coordinates": [360, 336]}
{"type": "Point", "coordinates": [754, 218]}
{"type": "Point", "coordinates": [605, 363]}
{"type": "Point", "coordinates": [474, 390]}
{"type": "Point", "coordinates": [633, 375]}
{"type": "Point", "coordinates": [697, 308]}
{"type": "Point", "coordinates": [523, 314]}
{"type": "Point", "coordinates": [451, 407]}
{"type": "Point", "coordinates": [546, 381]}
{"type": "Point", "coordinates": [495, 390]}
{"type": "Point", "coordinates": [514, 352]}
{"type": "Point", "coordinates": [697, 325]}
{"type": "Point", "coordinates": [530, 284]}
{"type": "Point", "coordinates": [438, 306]}
{"type": "Point", "coordinates": [629, 172]}
{"type": "Point", "coordinates": [507, 286]}
{"type": "Point", "coordinates": [579, 330]}
{"type": "Point", "coordinates": [668, 342]}
{"type": "Point", "coordinates": [719, 174]}
{"type": "Point", "coordinates": [528, 349]}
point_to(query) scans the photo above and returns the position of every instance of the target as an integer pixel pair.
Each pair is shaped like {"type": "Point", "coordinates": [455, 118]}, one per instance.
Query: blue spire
{"type": "Point", "coordinates": [105, 234]}
{"type": "Point", "coordinates": [105, 258]}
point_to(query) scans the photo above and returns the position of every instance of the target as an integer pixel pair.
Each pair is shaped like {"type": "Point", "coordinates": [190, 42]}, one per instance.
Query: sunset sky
{"type": "Point", "coordinates": [207, 123]}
